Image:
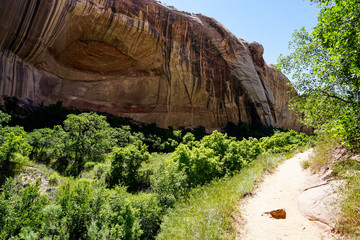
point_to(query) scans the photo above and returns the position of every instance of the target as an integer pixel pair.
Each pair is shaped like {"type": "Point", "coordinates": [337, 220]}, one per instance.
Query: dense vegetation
{"type": "Point", "coordinates": [102, 182]}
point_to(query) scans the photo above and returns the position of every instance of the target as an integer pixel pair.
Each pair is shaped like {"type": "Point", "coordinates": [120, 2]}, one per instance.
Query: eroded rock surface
{"type": "Point", "coordinates": [138, 58]}
{"type": "Point", "coordinates": [319, 203]}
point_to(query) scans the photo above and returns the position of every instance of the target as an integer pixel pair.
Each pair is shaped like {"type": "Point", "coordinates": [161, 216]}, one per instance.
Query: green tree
{"type": "Point", "coordinates": [325, 67]}
{"type": "Point", "coordinates": [89, 136]}
{"type": "Point", "coordinates": [44, 144]}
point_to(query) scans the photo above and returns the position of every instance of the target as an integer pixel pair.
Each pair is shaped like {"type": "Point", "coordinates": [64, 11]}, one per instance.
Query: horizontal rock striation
{"type": "Point", "coordinates": [138, 58]}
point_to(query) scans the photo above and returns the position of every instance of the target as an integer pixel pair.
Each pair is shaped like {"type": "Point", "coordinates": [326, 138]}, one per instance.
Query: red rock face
{"type": "Point", "coordinates": [138, 58]}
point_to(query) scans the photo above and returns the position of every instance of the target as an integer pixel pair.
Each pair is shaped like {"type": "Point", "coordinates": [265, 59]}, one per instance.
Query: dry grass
{"type": "Point", "coordinates": [305, 164]}
{"type": "Point", "coordinates": [348, 168]}
{"type": "Point", "coordinates": [329, 154]}
{"type": "Point", "coordinates": [349, 223]}
{"type": "Point", "coordinates": [322, 156]}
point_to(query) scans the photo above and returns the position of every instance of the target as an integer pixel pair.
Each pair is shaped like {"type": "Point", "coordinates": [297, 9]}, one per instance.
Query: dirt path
{"type": "Point", "coordinates": [280, 190]}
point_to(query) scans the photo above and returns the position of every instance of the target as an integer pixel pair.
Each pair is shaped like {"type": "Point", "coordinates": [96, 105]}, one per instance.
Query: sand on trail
{"type": "Point", "coordinates": [280, 190]}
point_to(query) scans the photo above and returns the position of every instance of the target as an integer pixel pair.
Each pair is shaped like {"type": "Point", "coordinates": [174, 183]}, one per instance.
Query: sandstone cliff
{"type": "Point", "coordinates": [137, 58]}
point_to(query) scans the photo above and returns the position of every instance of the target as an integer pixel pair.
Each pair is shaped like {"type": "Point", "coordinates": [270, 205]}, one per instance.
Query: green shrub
{"type": "Point", "coordinates": [20, 210]}
{"type": "Point", "coordinates": [52, 225]}
{"type": "Point", "coordinates": [98, 233]}
{"type": "Point", "coordinates": [188, 139]}
{"type": "Point", "coordinates": [305, 164]}
{"type": "Point", "coordinates": [54, 179]}
{"type": "Point", "coordinates": [199, 164]}
{"type": "Point", "coordinates": [150, 213]}
{"type": "Point", "coordinates": [285, 141]}
{"type": "Point", "coordinates": [4, 118]}
{"type": "Point", "coordinates": [89, 165]}
{"type": "Point", "coordinates": [169, 183]}
{"type": "Point", "coordinates": [123, 219]}
{"type": "Point", "coordinates": [76, 209]}
{"type": "Point", "coordinates": [14, 152]}
{"type": "Point", "coordinates": [124, 136]}
{"type": "Point", "coordinates": [218, 142]}
{"type": "Point", "coordinates": [44, 144]}
{"type": "Point", "coordinates": [234, 158]}
{"type": "Point", "coordinates": [126, 163]}
{"type": "Point", "coordinates": [101, 171]}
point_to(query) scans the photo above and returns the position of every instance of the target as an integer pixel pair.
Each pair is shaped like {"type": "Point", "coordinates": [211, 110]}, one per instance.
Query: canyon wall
{"type": "Point", "coordinates": [138, 58]}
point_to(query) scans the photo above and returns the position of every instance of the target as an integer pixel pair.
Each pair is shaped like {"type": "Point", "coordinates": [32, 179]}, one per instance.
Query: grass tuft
{"type": "Point", "coordinates": [305, 164]}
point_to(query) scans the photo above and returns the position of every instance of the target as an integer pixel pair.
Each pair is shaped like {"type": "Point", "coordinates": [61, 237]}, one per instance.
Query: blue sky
{"type": "Point", "coordinates": [269, 22]}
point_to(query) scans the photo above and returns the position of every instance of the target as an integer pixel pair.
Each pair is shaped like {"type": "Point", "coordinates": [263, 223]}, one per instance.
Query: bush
{"type": "Point", "coordinates": [54, 179]}
{"type": "Point", "coordinates": [14, 152]}
{"type": "Point", "coordinates": [77, 212]}
{"type": "Point", "coordinates": [188, 139]}
{"type": "Point", "coordinates": [20, 210]}
{"type": "Point", "coordinates": [101, 171]}
{"type": "Point", "coordinates": [169, 183]}
{"type": "Point", "coordinates": [218, 142]}
{"type": "Point", "coordinates": [285, 141]}
{"type": "Point", "coordinates": [123, 217]}
{"type": "Point", "coordinates": [235, 158]}
{"type": "Point", "coordinates": [4, 118]}
{"type": "Point", "coordinates": [124, 136]}
{"type": "Point", "coordinates": [200, 165]}
{"type": "Point", "coordinates": [126, 163]}
{"type": "Point", "coordinates": [150, 213]}
{"type": "Point", "coordinates": [45, 143]}
{"type": "Point", "coordinates": [52, 225]}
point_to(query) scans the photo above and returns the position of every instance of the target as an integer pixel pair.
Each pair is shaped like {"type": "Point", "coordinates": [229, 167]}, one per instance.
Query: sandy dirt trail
{"type": "Point", "coordinates": [280, 190]}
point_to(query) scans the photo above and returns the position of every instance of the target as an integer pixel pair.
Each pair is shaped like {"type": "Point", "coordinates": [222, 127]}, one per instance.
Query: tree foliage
{"type": "Point", "coordinates": [217, 155]}
{"type": "Point", "coordinates": [14, 148]}
{"type": "Point", "coordinates": [118, 192]}
{"type": "Point", "coordinates": [19, 210]}
{"type": "Point", "coordinates": [325, 67]}
{"type": "Point", "coordinates": [126, 163]}
{"type": "Point", "coordinates": [89, 137]}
